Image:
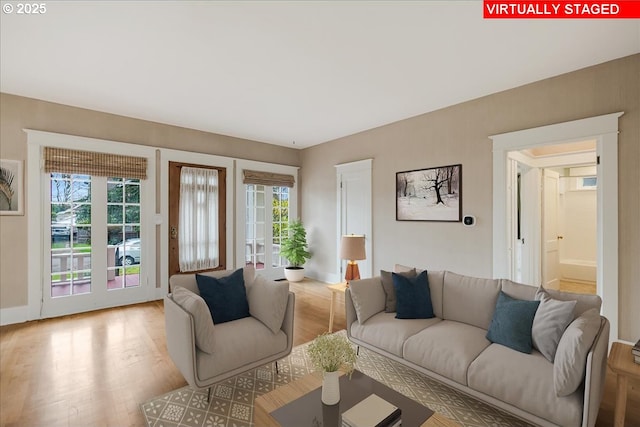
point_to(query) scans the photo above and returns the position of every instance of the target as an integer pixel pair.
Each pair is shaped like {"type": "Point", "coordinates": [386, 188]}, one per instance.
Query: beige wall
{"type": "Point", "coordinates": [459, 134]}
{"type": "Point", "coordinates": [17, 113]}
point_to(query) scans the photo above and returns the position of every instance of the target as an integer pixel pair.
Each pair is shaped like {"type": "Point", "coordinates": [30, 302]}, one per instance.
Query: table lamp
{"type": "Point", "coordinates": [352, 249]}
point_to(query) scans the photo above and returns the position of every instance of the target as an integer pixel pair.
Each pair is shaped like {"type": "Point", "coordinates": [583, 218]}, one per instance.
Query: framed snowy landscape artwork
{"type": "Point", "coordinates": [433, 194]}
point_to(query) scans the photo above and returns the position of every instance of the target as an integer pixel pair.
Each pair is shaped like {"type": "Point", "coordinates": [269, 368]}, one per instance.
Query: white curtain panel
{"type": "Point", "coordinates": [198, 230]}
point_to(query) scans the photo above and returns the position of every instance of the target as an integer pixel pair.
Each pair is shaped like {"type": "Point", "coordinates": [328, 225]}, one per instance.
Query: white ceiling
{"type": "Point", "coordinates": [284, 71]}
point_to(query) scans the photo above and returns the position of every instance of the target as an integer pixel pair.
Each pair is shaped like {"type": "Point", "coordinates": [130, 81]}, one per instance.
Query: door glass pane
{"type": "Point", "coordinates": [70, 235]}
{"type": "Point", "coordinates": [255, 226]}
{"type": "Point", "coordinates": [280, 222]}
{"type": "Point", "coordinates": [123, 233]}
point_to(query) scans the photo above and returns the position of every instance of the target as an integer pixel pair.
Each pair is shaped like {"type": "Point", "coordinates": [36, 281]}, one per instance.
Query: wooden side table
{"type": "Point", "coordinates": [338, 287]}
{"type": "Point", "coordinates": [622, 364]}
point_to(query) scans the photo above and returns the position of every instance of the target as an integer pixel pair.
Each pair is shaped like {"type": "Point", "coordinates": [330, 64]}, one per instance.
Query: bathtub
{"type": "Point", "coordinates": [578, 270]}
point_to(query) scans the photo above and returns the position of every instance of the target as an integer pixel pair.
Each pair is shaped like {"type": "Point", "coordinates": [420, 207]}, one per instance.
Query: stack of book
{"type": "Point", "coordinates": [636, 352]}
{"type": "Point", "coordinates": [373, 411]}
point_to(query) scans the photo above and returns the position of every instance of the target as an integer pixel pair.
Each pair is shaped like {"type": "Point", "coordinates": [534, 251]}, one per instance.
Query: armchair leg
{"type": "Point", "coordinates": [357, 350]}
{"type": "Point", "coordinates": [277, 371]}
{"type": "Point", "coordinates": [209, 394]}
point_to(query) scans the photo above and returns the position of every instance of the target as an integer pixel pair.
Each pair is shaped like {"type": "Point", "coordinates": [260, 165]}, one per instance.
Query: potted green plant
{"type": "Point", "coordinates": [294, 250]}
{"type": "Point", "coordinates": [330, 354]}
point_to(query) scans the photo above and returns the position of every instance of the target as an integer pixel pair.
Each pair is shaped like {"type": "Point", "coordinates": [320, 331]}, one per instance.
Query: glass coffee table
{"type": "Point", "coordinates": [299, 404]}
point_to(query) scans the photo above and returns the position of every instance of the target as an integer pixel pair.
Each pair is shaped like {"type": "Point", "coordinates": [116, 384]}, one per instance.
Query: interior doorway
{"type": "Point", "coordinates": [555, 237]}
{"type": "Point", "coordinates": [354, 210]}
{"type": "Point", "coordinates": [604, 130]}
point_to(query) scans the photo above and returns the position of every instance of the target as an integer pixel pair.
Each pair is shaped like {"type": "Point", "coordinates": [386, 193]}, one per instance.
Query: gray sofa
{"type": "Point", "coordinates": [452, 347]}
{"type": "Point", "coordinates": [232, 347]}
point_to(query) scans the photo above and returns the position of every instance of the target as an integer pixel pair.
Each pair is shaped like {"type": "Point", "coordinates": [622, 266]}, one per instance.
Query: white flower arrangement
{"type": "Point", "coordinates": [332, 352]}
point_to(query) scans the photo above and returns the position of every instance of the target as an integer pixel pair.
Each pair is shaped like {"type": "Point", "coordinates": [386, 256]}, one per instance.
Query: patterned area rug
{"type": "Point", "coordinates": [232, 401]}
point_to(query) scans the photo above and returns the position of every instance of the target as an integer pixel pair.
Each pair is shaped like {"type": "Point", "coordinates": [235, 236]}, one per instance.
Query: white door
{"type": "Point", "coordinates": [550, 234]}
{"type": "Point", "coordinates": [96, 256]}
{"type": "Point", "coordinates": [354, 210]}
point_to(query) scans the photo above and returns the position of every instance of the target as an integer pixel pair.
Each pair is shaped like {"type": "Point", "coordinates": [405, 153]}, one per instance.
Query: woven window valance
{"type": "Point", "coordinates": [268, 178]}
{"type": "Point", "coordinates": [62, 160]}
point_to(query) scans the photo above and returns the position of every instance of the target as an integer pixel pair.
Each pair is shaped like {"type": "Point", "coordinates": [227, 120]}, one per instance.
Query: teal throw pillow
{"type": "Point", "coordinates": [413, 296]}
{"type": "Point", "coordinates": [226, 297]}
{"type": "Point", "coordinates": [512, 322]}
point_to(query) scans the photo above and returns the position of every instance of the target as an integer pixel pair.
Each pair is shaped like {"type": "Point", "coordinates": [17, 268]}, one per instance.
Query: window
{"type": "Point", "coordinates": [587, 183]}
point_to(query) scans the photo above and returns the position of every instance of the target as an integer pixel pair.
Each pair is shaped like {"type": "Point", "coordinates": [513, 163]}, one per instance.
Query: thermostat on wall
{"type": "Point", "coordinates": [469, 220]}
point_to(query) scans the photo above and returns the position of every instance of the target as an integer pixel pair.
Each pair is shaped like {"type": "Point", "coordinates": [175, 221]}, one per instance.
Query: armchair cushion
{"type": "Point", "coordinates": [195, 305]}
{"type": "Point", "coordinates": [268, 302]}
{"type": "Point", "coordinates": [226, 297]}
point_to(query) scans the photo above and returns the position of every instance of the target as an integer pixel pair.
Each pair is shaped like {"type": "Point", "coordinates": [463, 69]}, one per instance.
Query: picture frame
{"type": "Point", "coordinates": [430, 194]}
{"type": "Point", "coordinates": [11, 187]}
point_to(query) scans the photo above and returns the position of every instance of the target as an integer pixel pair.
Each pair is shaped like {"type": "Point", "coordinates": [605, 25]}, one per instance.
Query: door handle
{"type": "Point", "coordinates": [560, 237]}
{"type": "Point", "coordinates": [174, 232]}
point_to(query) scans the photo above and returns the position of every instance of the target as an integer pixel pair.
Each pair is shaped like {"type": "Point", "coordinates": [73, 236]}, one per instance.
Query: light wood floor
{"type": "Point", "coordinates": [94, 369]}
{"type": "Point", "coordinates": [578, 287]}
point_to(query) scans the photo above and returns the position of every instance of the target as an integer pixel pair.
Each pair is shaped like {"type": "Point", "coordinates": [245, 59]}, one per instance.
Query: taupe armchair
{"type": "Point", "coordinates": [236, 346]}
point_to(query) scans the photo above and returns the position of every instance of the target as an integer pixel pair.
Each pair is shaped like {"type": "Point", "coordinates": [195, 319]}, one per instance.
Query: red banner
{"type": "Point", "coordinates": [625, 9]}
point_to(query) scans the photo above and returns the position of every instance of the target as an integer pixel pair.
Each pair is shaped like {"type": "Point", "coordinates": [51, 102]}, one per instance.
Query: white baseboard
{"type": "Point", "coordinates": [11, 315]}
{"type": "Point", "coordinates": [324, 277]}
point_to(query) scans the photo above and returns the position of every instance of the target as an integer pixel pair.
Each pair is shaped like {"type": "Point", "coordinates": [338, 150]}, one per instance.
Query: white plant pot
{"type": "Point", "coordinates": [294, 274]}
{"type": "Point", "coordinates": [331, 388]}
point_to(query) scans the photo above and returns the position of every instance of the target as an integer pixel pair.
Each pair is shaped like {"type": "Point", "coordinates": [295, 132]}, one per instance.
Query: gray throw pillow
{"type": "Point", "coordinates": [202, 320]}
{"type": "Point", "coordinates": [268, 302]}
{"type": "Point", "coordinates": [571, 358]}
{"type": "Point", "coordinates": [389, 290]}
{"type": "Point", "coordinates": [552, 318]}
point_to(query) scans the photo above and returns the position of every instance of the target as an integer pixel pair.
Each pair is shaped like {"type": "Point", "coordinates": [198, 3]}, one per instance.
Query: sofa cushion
{"type": "Point", "coordinates": [552, 318]}
{"type": "Point", "coordinates": [518, 290]}
{"type": "Point", "coordinates": [414, 298]}
{"type": "Point", "coordinates": [268, 302]}
{"type": "Point", "coordinates": [239, 343]}
{"type": "Point", "coordinates": [389, 290]}
{"type": "Point", "coordinates": [469, 300]}
{"type": "Point", "coordinates": [446, 348]}
{"type": "Point", "coordinates": [203, 323]}
{"type": "Point", "coordinates": [368, 297]}
{"type": "Point", "coordinates": [512, 322]}
{"type": "Point", "coordinates": [584, 302]}
{"type": "Point", "coordinates": [571, 356]}
{"type": "Point", "coordinates": [387, 333]}
{"type": "Point", "coordinates": [226, 297]}
{"type": "Point", "coordinates": [436, 283]}
{"type": "Point", "coordinates": [524, 381]}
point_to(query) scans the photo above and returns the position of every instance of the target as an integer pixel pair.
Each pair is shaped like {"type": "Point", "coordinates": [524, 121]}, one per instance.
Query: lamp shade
{"type": "Point", "coordinates": [352, 247]}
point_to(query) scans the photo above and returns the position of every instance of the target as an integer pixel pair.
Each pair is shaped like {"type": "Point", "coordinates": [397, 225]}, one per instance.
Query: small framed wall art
{"type": "Point", "coordinates": [432, 194]}
{"type": "Point", "coordinates": [11, 187]}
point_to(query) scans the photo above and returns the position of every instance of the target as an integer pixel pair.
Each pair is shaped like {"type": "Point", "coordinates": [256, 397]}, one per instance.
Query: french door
{"type": "Point", "coordinates": [267, 213]}
{"type": "Point", "coordinates": [94, 254]}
